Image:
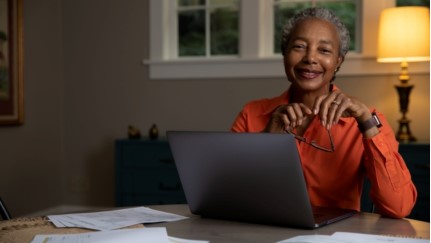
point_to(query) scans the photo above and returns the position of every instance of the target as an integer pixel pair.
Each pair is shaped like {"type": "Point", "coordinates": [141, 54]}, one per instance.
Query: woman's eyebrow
{"type": "Point", "coordinates": [326, 42]}
{"type": "Point", "coordinates": [323, 41]}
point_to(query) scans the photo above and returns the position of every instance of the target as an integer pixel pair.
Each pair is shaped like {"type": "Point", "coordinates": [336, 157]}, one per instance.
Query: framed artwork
{"type": "Point", "coordinates": [11, 63]}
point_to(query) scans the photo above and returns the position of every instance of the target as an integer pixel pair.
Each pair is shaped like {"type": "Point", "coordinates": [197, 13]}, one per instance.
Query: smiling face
{"type": "Point", "coordinates": [312, 56]}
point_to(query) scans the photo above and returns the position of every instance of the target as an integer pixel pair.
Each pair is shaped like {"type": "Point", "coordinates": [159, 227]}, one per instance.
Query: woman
{"type": "Point", "coordinates": [314, 45]}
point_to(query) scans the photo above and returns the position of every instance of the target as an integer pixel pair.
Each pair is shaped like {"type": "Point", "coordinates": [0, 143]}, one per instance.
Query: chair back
{"type": "Point", "coordinates": [5, 215]}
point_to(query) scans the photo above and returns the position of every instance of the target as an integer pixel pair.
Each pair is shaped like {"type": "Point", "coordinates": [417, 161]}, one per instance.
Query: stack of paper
{"type": "Point", "coordinates": [115, 219]}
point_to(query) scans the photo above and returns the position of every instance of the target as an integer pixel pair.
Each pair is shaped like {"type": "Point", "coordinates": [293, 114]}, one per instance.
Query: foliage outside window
{"type": "Point", "coordinates": [346, 10]}
{"type": "Point", "coordinates": [208, 27]}
{"type": "Point", "coordinates": [425, 3]}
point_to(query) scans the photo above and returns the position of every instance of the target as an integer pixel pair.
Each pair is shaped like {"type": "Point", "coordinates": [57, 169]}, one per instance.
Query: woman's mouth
{"type": "Point", "coordinates": [308, 74]}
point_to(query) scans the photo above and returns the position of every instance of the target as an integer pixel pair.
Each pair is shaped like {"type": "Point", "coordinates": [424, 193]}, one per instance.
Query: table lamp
{"type": "Point", "coordinates": [404, 36]}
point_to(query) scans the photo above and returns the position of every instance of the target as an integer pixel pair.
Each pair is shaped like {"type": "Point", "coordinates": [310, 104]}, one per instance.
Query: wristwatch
{"type": "Point", "coordinates": [374, 121]}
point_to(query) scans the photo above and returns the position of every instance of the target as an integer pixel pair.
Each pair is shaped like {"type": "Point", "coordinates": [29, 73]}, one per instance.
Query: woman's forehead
{"type": "Point", "coordinates": [315, 27]}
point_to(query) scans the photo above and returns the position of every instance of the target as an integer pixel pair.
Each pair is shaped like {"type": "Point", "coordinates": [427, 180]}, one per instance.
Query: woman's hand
{"type": "Point", "coordinates": [337, 104]}
{"type": "Point", "coordinates": [288, 117]}
{"type": "Point", "coordinates": [330, 108]}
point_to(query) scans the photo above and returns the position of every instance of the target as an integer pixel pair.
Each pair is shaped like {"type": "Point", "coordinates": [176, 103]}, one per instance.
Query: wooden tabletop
{"type": "Point", "coordinates": [214, 230]}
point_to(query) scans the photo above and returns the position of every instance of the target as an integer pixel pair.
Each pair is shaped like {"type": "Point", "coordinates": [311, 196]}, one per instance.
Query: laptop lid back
{"type": "Point", "coordinates": [253, 177]}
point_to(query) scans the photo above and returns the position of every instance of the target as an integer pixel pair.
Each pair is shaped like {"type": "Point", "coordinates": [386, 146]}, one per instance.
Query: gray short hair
{"type": "Point", "coordinates": [320, 13]}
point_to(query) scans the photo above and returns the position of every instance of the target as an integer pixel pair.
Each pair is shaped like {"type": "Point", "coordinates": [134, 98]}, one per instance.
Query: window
{"type": "Point", "coordinates": [252, 51]}
{"type": "Point", "coordinates": [346, 10]}
{"type": "Point", "coordinates": [208, 27]}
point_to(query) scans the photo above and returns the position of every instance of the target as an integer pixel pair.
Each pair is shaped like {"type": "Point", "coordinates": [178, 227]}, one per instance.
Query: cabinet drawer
{"type": "Point", "coordinates": [417, 158]}
{"type": "Point", "coordinates": [145, 155]}
{"type": "Point", "coordinates": [150, 199]}
{"type": "Point", "coordinates": [146, 173]}
{"type": "Point", "coordinates": [151, 181]}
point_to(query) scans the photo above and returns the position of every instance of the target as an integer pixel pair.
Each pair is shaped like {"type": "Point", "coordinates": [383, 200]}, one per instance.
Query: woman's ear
{"type": "Point", "coordinates": [340, 61]}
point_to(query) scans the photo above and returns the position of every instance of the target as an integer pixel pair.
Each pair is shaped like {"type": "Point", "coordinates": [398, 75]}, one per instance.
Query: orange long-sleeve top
{"type": "Point", "coordinates": [336, 179]}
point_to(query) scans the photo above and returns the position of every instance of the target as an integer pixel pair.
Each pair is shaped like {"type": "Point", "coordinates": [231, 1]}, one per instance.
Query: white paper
{"type": "Point", "coordinates": [115, 219]}
{"type": "Point", "coordinates": [360, 238]}
{"type": "Point", "coordinates": [156, 235]}
{"type": "Point", "coordinates": [345, 237]}
{"type": "Point", "coordinates": [180, 240]}
{"type": "Point", "coordinates": [313, 239]}
{"type": "Point", "coordinates": [153, 235]}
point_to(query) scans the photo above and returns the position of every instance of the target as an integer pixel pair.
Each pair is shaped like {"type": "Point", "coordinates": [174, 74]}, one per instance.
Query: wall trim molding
{"type": "Point", "coordinates": [271, 67]}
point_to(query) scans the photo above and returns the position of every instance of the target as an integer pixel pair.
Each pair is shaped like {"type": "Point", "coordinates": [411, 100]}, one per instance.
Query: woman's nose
{"type": "Point", "coordinates": [309, 57]}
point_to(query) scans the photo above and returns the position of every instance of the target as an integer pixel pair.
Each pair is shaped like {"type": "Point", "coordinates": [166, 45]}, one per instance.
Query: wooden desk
{"type": "Point", "coordinates": [214, 230]}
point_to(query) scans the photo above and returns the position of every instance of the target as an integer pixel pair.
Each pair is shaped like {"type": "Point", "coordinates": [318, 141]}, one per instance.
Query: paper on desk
{"type": "Point", "coordinates": [156, 235]}
{"type": "Point", "coordinates": [114, 219]}
{"type": "Point", "coordinates": [180, 240]}
{"type": "Point", "coordinates": [344, 237]}
{"type": "Point", "coordinates": [355, 237]}
{"type": "Point", "coordinates": [313, 239]}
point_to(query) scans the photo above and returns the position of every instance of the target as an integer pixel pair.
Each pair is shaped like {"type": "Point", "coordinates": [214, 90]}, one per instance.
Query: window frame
{"type": "Point", "coordinates": [256, 58]}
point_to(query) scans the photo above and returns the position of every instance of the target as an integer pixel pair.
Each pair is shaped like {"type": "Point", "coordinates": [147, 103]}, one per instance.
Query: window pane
{"type": "Point", "coordinates": [224, 31]}
{"type": "Point", "coordinates": [191, 2]}
{"type": "Point", "coordinates": [283, 12]}
{"type": "Point", "coordinates": [208, 29]}
{"type": "Point", "coordinates": [191, 33]}
{"type": "Point", "coordinates": [344, 9]}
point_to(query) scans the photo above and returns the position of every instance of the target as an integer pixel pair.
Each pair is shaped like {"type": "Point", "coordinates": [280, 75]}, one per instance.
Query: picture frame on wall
{"type": "Point", "coordinates": [11, 63]}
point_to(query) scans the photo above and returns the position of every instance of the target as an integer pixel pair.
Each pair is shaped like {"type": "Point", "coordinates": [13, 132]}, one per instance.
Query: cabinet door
{"type": "Point", "coordinates": [417, 158]}
{"type": "Point", "coordinates": [146, 174]}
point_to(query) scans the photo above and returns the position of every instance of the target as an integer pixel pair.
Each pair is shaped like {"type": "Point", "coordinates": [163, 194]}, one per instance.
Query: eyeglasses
{"type": "Point", "coordinates": [314, 143]}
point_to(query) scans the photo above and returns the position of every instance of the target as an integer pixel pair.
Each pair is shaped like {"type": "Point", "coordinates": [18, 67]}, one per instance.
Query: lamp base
{"type": "Point", "coordinates": [404, 134]}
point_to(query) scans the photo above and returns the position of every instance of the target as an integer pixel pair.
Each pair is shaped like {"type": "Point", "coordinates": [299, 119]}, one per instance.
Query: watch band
{"type": "Point", "coordinates": [374, 121]}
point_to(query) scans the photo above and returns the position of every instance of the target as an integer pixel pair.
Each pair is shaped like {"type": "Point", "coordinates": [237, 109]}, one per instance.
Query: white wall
{"type": "Point", "coordinates": [84, 84]}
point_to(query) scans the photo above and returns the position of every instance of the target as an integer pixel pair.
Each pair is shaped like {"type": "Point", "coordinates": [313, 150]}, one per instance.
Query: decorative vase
{"type": "Point", "coordinates": [153, 134]}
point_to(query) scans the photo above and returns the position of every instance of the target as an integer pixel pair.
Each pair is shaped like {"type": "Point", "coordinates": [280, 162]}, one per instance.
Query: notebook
{"type": "Point", "coordinates": [250, 177]}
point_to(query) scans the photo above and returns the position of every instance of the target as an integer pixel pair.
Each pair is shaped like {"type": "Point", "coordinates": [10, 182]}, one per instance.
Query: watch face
{"type": "Point", "coordinates": [377, 120]}
{"type": "Point", "coordinates": [374, 121]}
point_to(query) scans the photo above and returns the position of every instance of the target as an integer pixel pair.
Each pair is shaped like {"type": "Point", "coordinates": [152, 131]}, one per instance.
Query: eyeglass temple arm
{"type": "Point", "coordinates": [302, 139]}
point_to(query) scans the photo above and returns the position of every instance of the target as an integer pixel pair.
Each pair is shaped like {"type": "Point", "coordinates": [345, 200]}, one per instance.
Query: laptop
{"type": "Point", "coordinates": [250, 177]}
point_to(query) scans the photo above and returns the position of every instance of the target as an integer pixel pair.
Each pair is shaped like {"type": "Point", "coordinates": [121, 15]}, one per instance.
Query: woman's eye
{"type": "Point", "coordinates": [325, 50]}
{"type": "Point", "coordinates": [298, 46]}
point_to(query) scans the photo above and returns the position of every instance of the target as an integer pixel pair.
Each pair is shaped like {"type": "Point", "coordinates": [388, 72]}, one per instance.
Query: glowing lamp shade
{"type": "Point", "coordinates": [404, 35]}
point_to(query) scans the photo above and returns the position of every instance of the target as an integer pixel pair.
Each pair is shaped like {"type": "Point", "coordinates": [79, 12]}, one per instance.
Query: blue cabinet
{"type": "Point", "coordinates": [146, 174]}
{"type": "Point", "coordinates": [417, 158]}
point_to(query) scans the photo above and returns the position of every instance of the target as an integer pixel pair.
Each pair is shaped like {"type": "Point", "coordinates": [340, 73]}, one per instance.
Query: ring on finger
{"type": "Point", "coordinates": [335, 102]}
